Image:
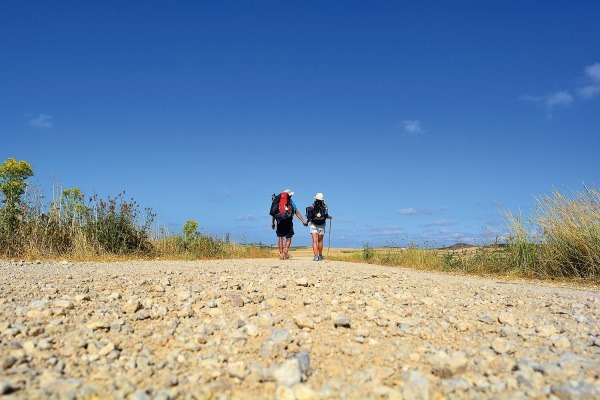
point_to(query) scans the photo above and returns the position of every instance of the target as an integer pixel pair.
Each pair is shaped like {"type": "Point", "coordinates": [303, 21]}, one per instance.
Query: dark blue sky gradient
{"type": "Point", "coordinates": [413, 118]}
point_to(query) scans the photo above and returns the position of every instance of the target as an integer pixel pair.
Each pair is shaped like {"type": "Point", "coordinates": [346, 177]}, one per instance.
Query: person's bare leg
{"type": "Point", "coordinates": [286, 251]}
{"type": "Point", "coordinates": [315, 243]}
{"type": "Point", "coordinates": [280, 246]}
{"type": "Point", "coordinates": [320, 245]}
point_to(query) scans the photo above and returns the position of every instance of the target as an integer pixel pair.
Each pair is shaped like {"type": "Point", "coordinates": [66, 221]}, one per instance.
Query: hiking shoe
{"type": "Point", "coordinates": [281, 256]}
{"type": "Point", "coordinates": [320, 258]}
{"type": "Point", "coordinates": [316, 258]}
{"type": "Point", "coordinates": [286, 253]}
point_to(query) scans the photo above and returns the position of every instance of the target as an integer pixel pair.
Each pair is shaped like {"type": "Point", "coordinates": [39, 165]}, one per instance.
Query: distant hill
{"type": "Point", "coordinates": [458, 246]}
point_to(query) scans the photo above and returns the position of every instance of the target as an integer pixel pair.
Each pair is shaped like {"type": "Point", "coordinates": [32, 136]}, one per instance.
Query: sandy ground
{"type": "Point", "coordinates": [294, 329]}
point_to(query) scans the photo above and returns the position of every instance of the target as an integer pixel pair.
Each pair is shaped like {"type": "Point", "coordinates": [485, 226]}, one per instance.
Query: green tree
{"type": "Point", "coordinates": [190, 229]}
{"type": "Point", "coordinates": [13, 175]}
{"type": "Point", "coordinates": [72, 206]}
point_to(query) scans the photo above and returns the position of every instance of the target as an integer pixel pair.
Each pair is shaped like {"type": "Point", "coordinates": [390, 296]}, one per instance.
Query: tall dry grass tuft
{"type": "Point", "coordinates": [562, 238]}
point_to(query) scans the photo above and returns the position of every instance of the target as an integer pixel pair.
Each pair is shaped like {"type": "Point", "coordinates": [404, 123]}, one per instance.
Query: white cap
{"type": "Point", "coordinates": [288, 191]}
{"type": "Point", "coordinates": [319, 196]}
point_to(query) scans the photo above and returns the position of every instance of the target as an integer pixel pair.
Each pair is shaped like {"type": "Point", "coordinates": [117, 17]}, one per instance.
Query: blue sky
{"type": "Point", "coordinates": [415, 119]}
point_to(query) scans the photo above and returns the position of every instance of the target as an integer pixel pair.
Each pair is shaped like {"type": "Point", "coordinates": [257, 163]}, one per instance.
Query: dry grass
{"type": "Point", "coordinates": [307, 251]}
{"type": "Point", "coordinates": [560, 239]}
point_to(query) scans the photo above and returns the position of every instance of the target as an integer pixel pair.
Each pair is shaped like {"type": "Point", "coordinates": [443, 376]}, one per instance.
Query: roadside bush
{"type": "Point", "coordinates": [114, 225]}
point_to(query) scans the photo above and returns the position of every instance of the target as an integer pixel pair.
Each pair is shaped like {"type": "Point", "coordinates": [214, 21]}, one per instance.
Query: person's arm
{"type": "Point", "coordinates": [300, 217]}
{"type": "Point", "coordinates": [272, 222]}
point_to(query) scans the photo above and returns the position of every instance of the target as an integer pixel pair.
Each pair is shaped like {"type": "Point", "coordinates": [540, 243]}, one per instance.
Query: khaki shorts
{"type": "Point", "coordinates": [320, 229]}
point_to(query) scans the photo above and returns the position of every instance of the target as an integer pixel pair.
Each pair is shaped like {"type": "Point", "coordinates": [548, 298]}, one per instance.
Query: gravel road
{"type": "Point", "coordinates": [294, 329]}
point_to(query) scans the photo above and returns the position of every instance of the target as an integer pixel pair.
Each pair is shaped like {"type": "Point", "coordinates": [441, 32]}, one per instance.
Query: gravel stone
{"type": "Point", "coordinates": [288, 373]}
{"type": "Point", "coordinates": [507, 318]}
{"type": "Point", "coordinates": [500, 345]}
{"type": "Point", "coordinates": [5, 388]}
{"type": "Point", "coordinates": [416, 386]}
{"type": "Point", "coordinates": [343, 322]}
{"type": "Point", "coordinates": [302, 282]}
{"type": "Point", "coordinates": [303, 321]}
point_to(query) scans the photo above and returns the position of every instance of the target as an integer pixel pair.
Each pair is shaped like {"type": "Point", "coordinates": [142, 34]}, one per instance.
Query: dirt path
{"type": "Point", "coordinates": [294, 329]}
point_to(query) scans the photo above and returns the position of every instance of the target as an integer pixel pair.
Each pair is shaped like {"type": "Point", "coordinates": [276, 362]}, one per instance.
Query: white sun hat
{"type": "Point", "coordinates": [288, 191]}
{"type": "Point", "coordinates": [319, 196]}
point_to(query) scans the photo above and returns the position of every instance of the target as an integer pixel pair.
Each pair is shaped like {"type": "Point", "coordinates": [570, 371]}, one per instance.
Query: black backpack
{"type": "Point", "coordinates": [317, 213]}
{"type": "Point", "coordinates": [275, 209]}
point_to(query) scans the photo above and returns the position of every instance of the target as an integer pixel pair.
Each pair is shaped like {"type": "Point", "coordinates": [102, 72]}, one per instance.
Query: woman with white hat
{"type": "Point", "coordinates": [317, 215]}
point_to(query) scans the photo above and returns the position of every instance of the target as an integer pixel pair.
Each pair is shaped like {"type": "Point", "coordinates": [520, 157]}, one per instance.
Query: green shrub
{"type": "Point", "coordinates": [113, 226]}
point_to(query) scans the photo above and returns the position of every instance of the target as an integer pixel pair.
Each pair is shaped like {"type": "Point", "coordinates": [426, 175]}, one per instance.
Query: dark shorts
{"type": "Point", "coordinates": [285, 229]}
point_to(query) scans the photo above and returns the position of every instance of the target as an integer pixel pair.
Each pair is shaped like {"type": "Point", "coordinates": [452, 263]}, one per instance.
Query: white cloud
{"type": "Point", "coordinates": [558, 99]}
{"type": "Point", "coordinates": [443, 222]}
{"type": "Point", "coordinates": [593, 89]}
{"type": "Point", "coordinates": [563, 98]}
{"type": "Point", "coordinates": [408, 211]}
{"type": "Point", "coordinates": [41, 121]}
{"type": "Point", "coordinates": [589, 91]}
{"type": "Point", "coordinates": [416, 211]}
{"type": "Point", "coordinates": [593, 71]}
{"type": "Point", "coordinates": [386, 231]}
{"type": "Point", "coordinates": [413, 127]}
{"type": "Point", "coordinates": [247, 218]}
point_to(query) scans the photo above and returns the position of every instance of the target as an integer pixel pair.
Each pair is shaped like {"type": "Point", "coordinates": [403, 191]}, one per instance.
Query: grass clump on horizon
{"type": "Point", "coordinates": [560, 240]}
{"type": "Point", "coordinates": [71, 227]}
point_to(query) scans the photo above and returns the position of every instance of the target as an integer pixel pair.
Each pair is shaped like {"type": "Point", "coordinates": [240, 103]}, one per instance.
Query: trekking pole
{"type": "Point", "coordinates": [329, 240]}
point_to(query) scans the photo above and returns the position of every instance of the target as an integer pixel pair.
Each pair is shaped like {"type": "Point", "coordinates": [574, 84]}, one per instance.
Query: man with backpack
{"type": "Point", "coordinates": [283, 209]}
{"type": "Point", "coordinates": [317, 215]}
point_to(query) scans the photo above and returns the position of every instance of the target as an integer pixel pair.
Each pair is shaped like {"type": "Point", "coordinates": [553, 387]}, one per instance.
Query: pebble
{"type": "Point", "coordinates": [288, 373]}
{"type": "Point", "coordinates": [5, 388]}
{"type": "Point", "coordinates": [500, 345]}
{"type": "Point", "coordinates": [343, 322]}
{"type": "Point", "coordinates": [446, 366]}
{"type": "Point", "coordinates": [237, 369]}
{"type": "Point", "coordinates": [302, 282]}
{"type": "Point", "coordinates": [303, 321]}
{"type": "Point", "coordinates": [546, 330]}
{"type": "Point", "coordinates": [236, 300]}
{"type": "Point", "coordinates": [576, 391]}
{"type": "Point", "coordinates": [507, 318]}
{"type": "Point", "coordinates": [304, 392]}
{"type": "Point", "coordinates": [8, 361]}
{"type": "Point", "coordinates": [95, 325]}
{"type": "Point", "coordinates": [416, 386]}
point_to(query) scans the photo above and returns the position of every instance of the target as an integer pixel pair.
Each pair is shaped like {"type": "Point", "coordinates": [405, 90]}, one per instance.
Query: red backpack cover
{"type": "Point", "coordinates": [284, 200]}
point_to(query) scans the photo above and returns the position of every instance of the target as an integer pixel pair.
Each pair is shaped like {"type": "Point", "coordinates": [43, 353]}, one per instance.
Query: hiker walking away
{"type": "Point", "coordinates": [285, 227]}
{"type": "Point", "coordinates": [317, 215]}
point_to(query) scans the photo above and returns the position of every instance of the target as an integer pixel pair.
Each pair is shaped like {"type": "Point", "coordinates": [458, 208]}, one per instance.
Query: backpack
{"type": "Point", "coordinates": [280, 206]}
{"type": "Point", "coordinates": [317, 213]}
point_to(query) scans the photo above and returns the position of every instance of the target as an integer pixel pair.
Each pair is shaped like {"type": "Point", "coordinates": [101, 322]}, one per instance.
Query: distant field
{"type": "Point", "coordinates": [306, 251]}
